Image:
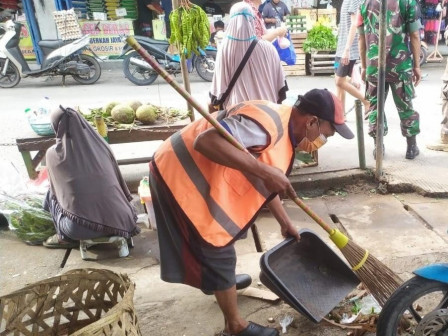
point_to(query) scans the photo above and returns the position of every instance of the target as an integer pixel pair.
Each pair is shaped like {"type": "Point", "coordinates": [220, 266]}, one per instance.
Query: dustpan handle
{"type": "Point", "coordinates": [170, 80]}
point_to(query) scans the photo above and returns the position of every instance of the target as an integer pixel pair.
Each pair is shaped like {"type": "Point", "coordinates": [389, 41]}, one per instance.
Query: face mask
{"type": "Point", "coordinates": [311, 146]}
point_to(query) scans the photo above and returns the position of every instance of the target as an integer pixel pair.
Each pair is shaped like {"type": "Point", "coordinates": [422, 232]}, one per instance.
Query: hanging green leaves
{"type": "Point", "coordinates": [190, 28]}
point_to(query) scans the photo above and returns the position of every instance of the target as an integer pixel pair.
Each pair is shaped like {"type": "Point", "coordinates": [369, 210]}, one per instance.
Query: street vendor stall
{"type": "Point", "coordinates": [33, 147]}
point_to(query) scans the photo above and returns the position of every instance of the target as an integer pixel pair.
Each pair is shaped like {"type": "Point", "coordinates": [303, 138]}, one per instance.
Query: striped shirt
{"type": "Point", "coordinates": [348, 8]}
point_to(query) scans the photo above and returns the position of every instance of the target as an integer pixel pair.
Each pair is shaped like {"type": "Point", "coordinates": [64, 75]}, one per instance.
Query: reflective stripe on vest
{"type": "Point", "coordinates": [221, 202]}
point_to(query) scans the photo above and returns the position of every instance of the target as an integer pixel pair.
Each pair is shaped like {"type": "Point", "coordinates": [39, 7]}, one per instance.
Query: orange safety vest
{"type": "Point", "coordinates": [222, 202]}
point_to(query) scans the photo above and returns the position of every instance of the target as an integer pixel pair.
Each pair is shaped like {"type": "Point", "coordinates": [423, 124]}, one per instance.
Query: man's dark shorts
{"type": "Point", "coordinates": [342, 70]}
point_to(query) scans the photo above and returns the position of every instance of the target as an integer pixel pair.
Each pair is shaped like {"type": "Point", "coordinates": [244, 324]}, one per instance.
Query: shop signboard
{"type": "Point", "coordinates": [105, 36]}
{"type": "Point", "coordinates": [159, 28]}
{"type": "Point", "coordinates": [26, 44]}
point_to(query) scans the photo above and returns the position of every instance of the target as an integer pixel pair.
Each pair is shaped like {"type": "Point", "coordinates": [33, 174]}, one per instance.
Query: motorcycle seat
{"type": "Point", "coordinates": [153, 41]}
{"type": "Point", "coordinates": [53, 44]}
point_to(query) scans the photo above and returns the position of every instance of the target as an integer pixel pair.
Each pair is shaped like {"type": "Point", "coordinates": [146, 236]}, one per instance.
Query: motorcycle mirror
{"type": "Point", "coordinates": [123, 38]}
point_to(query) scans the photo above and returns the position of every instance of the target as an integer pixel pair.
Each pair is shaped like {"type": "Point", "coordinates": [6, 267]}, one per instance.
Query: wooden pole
{"type": "Point", "coordinates": [184, 69]}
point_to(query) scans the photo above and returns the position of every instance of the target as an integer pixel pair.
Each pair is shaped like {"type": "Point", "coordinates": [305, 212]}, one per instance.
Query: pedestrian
{"type": "Point", "coordinates": [442, 144]}
{"type": "Point", "coordinates": [207, 193]}
{"type": "Point", "coordinates": [274, 13]}
{"type": "Point", "coordinates": [260, 8]}
{"type": "Point", "coordinates": [347, 53]}
{"type": "Point", "coordinates": [260, 28]}
{"type": "Point", "coordinates": [402, 73]}
{"type": "Point", "coordinates": [167, 6]}
{"type": "Point", "coordinates": [219, 27]}
{"type": "Point", "coordinates": [444, 95]}
{"type": "Point", "coordinates": [88, 197]}
{"type": "Point", "coordinates": [261, 77]}
{"type": "Point", "coordinates": [147, 10]}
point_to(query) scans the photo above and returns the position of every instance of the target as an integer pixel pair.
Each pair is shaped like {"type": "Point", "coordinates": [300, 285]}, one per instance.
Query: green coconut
{"type": "Point", "coordinates": [124, 114]}
{"type": "Point", "coordinates": [147, 114]}
{"type": "Point", "coordinates": [107, 109]}
{"type": "Point", "coordinates": [135, 104]}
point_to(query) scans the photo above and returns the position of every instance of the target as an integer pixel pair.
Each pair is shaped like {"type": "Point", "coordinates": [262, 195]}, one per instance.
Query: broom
{"type": "Point", "coordinates": [379, 280]}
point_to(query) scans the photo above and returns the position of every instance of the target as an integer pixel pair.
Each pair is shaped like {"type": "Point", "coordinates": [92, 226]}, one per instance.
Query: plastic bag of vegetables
{"type": "Point", "coordinates": [27, 218]}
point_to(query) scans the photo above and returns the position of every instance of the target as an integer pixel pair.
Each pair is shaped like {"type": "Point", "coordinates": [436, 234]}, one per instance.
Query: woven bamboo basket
{"type": "Point", "coordinates": [87, 302]}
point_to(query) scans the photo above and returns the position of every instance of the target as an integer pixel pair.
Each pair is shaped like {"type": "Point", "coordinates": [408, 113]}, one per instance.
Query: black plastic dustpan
{"type": "Point", "coordinates": [308, 275]}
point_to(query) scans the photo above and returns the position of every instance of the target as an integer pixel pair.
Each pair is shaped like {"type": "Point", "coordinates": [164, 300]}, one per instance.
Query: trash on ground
{"type": "Point", "coordinates": [285, 322]}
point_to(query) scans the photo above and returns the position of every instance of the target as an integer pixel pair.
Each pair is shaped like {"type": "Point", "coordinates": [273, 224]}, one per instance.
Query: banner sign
{"type": "Point", "coordinates": [26, 44]}
{"type": "Point", "coordinates": [105, 36]}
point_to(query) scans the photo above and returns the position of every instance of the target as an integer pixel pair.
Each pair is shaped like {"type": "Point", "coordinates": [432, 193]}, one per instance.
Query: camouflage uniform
{"type": "Point", "coordinates": [403, 17]}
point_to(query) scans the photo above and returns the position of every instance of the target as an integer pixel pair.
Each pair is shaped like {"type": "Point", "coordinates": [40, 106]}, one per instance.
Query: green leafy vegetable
{"type": "Point", "coordinates": [320, 37]}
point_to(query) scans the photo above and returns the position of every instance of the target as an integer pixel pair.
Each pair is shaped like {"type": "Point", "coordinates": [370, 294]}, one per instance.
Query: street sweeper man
{"type": "Point", "coordinates": [207, 193]}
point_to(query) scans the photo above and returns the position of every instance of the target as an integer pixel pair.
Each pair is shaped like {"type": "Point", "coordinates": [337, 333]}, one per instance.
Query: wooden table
{"type": "Point", "coordinates": [35, 143]}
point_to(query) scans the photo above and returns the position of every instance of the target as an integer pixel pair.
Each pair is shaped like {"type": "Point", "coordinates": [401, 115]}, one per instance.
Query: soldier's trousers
{"type": "Point", "coordinates": [402, 93]}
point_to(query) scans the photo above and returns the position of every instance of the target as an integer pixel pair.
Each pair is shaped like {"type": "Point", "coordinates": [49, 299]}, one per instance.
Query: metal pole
{"type": "Point", "coordinates": [381, 91]}
{"type": "Point", "coordinates": [184, 68]}
{"type": "Point", "coordinates": [360, 135]}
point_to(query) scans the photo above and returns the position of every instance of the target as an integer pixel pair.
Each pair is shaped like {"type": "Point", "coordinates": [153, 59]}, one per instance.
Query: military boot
{"type": "Point", "coordinates": [412, 151]}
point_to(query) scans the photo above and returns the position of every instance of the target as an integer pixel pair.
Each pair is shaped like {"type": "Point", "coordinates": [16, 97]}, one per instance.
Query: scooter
{"type": "Point", "coordinates": [60, 58]}
{"type": "Point", "coordinates": [139, 72]}
{"type": "Point", "coordinates": [423, 48]}
{"type": "Point", "coordinates": [419, 307]}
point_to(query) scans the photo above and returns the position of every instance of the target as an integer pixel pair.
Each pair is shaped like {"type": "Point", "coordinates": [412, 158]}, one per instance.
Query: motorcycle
{"type": "Point", "coordinates": [423, 48]}
{"type": "Point", "coordinates": [419, 307]}
{"type": "Point", "coordinates": [139, 72]}
{"type": "Point", "coordinates": [60, 58]}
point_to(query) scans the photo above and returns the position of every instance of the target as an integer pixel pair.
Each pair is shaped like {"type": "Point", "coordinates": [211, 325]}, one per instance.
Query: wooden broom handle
{"type": "Point", "coordinates": [310, 213]}
{"type": "Point", "coordinates": [170, 80]}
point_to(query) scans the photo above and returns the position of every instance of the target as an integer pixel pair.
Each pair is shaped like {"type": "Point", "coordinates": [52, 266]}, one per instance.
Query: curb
{"type": "Point", "coordinates": [402, 187]}
{"type": "Point", "coordinates": [314, 184]}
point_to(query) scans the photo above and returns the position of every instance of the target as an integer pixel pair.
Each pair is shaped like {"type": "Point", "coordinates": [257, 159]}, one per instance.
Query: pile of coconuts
{"type": "Point", "coordinates": [126, 113]}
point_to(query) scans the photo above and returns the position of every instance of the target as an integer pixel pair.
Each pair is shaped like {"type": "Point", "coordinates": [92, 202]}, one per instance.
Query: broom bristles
{"type": "Point", "coordinates": [379, 279]}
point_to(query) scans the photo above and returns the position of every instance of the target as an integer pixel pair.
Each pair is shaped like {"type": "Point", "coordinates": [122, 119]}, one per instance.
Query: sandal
{"type": "Point", "coordinates": [55, 243]}
{"type": "Point", "coordinates": [254, 329]}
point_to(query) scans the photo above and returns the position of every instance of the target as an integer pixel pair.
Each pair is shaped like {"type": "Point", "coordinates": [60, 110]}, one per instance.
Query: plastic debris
{"type": "Point", "coordinates": [369, 305]}
{"type": "Point", "coordinates": [346, 319]}
{"type": "Point", "coordinates": [286, 321]}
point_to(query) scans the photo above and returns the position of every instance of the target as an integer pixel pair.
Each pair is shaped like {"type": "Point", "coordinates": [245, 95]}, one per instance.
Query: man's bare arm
{"type": "Point", "coordinates": [415, 49]}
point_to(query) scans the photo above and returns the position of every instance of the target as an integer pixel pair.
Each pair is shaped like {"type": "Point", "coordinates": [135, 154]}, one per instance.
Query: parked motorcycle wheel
{"type": "Point", "coordinates": [12, 77]}
{"type": "Point", "coordinates": [418, 308]}
{"type": "Point", "coordinates": [95, 70]}
{"type": "Point", "coordinates": [137, 74]}
{"type": "Point", "coordinates": [423, 55]}
{"type": "Point", "coordinates": [205, 66]}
